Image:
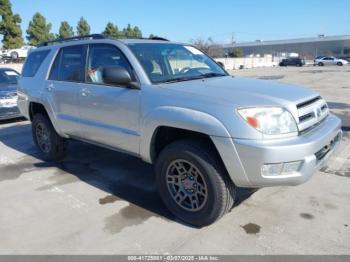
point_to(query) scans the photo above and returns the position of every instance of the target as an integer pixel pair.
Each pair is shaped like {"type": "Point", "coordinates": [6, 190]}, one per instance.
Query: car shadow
{"type": "Point", "coordinates": [12, 120]}
{"type": "Point", "coordinates": [121, 176]}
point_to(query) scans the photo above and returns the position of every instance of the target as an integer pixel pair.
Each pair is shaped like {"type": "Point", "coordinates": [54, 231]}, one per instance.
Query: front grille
{"type": "Point", "coordinates": [311, 113]}
{"type": "Point", "coordinates": [9, 112]}
{"type": "Point", "coordinates": [308, 102]}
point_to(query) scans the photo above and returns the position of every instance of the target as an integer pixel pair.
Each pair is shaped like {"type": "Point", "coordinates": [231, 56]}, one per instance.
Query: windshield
{"type": "Point", "coordinates": [8, 77]}
{"type": "Point", "coordinates": [174, 62]}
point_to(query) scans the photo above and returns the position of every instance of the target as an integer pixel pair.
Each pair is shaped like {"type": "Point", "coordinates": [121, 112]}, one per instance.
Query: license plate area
{"type": "Point", "coordinates": [321, 154]}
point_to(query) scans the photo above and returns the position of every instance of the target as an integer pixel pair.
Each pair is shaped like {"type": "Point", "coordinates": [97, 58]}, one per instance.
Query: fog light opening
{"type": "Point", "coordinates": [281, 169]}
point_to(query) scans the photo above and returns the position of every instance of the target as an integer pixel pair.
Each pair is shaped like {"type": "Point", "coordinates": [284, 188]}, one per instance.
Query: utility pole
{"type": "Point", "coordinates": [232, 42]}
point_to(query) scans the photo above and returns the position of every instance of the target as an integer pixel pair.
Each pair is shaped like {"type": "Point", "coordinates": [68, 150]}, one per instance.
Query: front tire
{"type": "Point", "coordinates": [320, 64]}
{"type": "Point", "coordinates": [339, 64]}
{"type": "Point", "coordinates": [50, 144]}
{"type": "Point", "coordinates": [193, 182]}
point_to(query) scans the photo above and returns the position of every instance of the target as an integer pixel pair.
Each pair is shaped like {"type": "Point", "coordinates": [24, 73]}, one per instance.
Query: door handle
{"type": "Point", "coordinates": [85, 92]}
{"type": "Point", "coordinates": [50, 87]}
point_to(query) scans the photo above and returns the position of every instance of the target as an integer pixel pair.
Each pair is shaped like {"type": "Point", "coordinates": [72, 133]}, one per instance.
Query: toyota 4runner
{"type": "Point", "coordinates": [207, 132]}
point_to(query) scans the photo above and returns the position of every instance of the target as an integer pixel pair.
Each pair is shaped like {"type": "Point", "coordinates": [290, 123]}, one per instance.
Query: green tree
{"type": "Point", "coordinates": [83, 28]}
{"type": "Point", "coordinates": [65, 30]}
{"type": "Point", "coordinates": [38, 30]}
{"type": "Point", "coordinates": [10, 26]}
{"type": "Point", "coordinates": [111, 30]}
{"type": "Point", "coordinates": [236, 52]}
{"type": "Point", "coordinates": [137, 31]}
{"type": "Point", "coordinates": [128, 31]}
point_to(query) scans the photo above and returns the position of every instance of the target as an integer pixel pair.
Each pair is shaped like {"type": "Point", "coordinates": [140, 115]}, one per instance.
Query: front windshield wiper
{"type": "Point", "coordinates": [188, 78]}
{"type": "Point", "coordinates": [212, 74]}
{"type": "Point", "coordinates": [180, 79]}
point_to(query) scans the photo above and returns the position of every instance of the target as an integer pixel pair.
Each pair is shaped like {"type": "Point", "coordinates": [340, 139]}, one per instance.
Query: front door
{"type": "Point", "coordinates": [109, 114]}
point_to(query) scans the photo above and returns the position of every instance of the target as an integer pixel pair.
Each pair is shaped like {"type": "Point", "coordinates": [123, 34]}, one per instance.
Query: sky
{"type": "Point", "coordinates": [186, 20]}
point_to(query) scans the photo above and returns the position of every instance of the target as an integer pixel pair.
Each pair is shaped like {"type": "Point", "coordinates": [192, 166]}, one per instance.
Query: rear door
{"type": "Point", "coordinates": [328, 60]}
{"type": "Point", "coordinates": [290, 61]}
{"type": "Point", "coordinates": [62, 87]}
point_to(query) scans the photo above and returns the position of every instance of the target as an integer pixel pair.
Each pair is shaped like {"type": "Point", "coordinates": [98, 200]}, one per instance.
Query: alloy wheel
{"type": "Point", "coordinates": [186, 185]}
{"type": "Point", "coordinates": [43, 138]}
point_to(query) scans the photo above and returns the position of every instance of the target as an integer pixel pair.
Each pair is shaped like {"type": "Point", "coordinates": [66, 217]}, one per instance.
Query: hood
{"type": "Point", "coordinates": [8, 90]}
{"type": "Point", "coordinates": [245, 91]}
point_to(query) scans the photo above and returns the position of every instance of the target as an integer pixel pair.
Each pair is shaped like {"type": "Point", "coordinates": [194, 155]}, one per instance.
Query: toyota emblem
{"type": "Point", "coordinates": [318, 112]}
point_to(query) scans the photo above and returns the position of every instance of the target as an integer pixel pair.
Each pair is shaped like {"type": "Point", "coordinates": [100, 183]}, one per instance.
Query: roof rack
{"type": "Point", "coordinates": [74, 38]}
{"type": "Point", "coordinates": [158, 38]}
{"type": "Point", "coordinates": [96, 36]}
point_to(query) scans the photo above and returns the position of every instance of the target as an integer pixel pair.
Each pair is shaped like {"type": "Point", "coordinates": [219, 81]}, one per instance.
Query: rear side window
{"type": "Point", "coordinates": [33, 62]}
{"type": "Point", "coordinates": [55, 69]}
{"type": "Point", "coordinates": [69, 64]}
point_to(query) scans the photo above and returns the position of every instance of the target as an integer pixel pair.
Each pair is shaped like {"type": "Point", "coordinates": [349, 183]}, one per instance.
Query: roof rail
{"type": "Point", "coordinates": [74, 38]}
{"type": "Point", "coordinates": [96, 36]}
{"type": "Point", "coordinates": [125, 36]}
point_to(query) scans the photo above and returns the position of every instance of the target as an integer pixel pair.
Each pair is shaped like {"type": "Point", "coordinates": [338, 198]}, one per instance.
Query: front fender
{"type": "Point", "coordinates": [177, 117]}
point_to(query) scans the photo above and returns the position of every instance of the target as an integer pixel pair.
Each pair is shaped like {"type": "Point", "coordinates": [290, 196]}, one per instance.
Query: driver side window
{"type": "Point", "coordinates": [101, 56]}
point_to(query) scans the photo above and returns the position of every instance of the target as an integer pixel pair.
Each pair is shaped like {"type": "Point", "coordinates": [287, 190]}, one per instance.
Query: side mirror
{"type": "Point", "coordinates": [221, 64]}
{"type": "Point", "coordinates": [117, 75]}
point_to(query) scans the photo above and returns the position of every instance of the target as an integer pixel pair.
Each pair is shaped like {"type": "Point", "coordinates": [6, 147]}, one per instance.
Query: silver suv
{"type": "Point", "coordinates": [207, 132]}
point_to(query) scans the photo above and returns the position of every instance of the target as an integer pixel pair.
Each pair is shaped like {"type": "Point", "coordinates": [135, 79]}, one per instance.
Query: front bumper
{"type": "Point", "coordinates": [9, 113]}
{"type": "Point", "coordinates": [312, 148]}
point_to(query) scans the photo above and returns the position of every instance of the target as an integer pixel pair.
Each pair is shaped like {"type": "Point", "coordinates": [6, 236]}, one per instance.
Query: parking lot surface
{"type": "Point", "coordinates": [98, 201]}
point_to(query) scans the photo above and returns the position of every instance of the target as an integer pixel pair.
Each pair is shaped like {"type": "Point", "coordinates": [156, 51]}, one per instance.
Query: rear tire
{"type": "Point", "coordinates": [51, 146]}
{"type": "Point", "coordinates": [193, 182]}
{"type": "Point", "coordinates": [14, 55]}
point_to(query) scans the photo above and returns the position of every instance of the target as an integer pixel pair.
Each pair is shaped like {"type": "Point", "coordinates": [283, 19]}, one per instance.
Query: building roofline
{"type": "Point", "coordinates": [290, 41]}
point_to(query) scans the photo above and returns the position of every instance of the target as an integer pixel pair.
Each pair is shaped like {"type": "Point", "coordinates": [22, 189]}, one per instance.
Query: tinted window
{"type": "Point", "coordinates": [101, 56]}
{"type": "Point", "coordinates": [72, 64]}
{"type": "Point", "coordinates": [33, 62]}
{"type": "Point", "coordinates": [8, 77]}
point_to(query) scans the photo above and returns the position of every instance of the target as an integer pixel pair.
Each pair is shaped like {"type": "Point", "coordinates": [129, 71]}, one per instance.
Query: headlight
{"type": "Point", "coordinates": [270, 120]}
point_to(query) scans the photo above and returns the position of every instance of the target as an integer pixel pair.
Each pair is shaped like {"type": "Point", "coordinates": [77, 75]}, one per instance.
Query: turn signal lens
{"type": "Point", "coordinates": [253, 122]}
{"type": "Point", "coordinates": [280, 169]}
